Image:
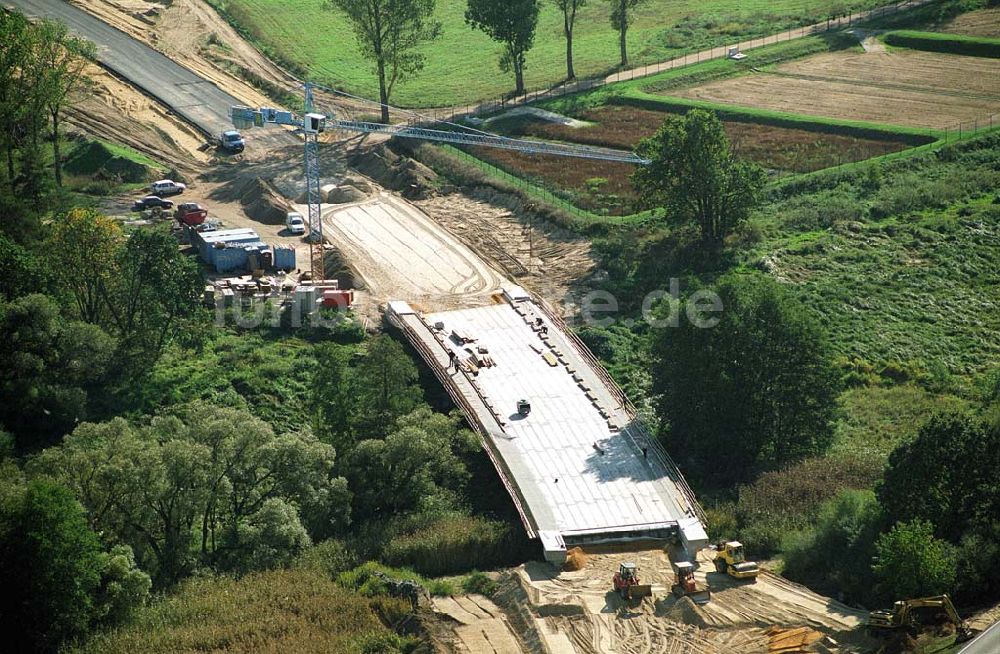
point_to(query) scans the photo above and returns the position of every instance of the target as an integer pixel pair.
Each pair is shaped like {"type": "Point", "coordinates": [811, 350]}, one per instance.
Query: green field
{"type": "Point", "coordinates": [462, 64]}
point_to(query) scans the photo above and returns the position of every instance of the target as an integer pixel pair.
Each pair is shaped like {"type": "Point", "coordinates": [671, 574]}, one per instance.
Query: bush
{"type": "Point", "coordinates": [479, 583]}
{"type": "Point", "coordinates": [441, 588]}
{"type": "Point", "coordinates": [330, 557]}
{"type": "Point", "coordinates": [364, 580]}
{"type": "Point", "coordinates": [971, 46]}
{"type": "Point", "coordinates": [788, 500]}
{"type": "Point", "coordinates": [833, 558]}
{"type": "Point", "coordinates": [454, 544]}
{"type": "Point", "coordinates": [911, 562]}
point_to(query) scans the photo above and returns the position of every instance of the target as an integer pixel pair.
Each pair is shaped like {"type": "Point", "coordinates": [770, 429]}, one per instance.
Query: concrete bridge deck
{"type": "Point", "coordinates": [579, 467]}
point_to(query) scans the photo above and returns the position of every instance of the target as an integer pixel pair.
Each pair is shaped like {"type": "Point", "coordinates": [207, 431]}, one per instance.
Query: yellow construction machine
{"type": "Point", "coordinates": [910, 615]}
{"type": "Point", "coordinates": [686, 586]}
{"type": "Point", "coordinates": [730, 559]}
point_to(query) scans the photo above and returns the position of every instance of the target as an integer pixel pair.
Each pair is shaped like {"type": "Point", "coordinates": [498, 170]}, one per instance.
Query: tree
{"type": "Point", "coordinates": [512, 24]}
{"type": "Point", "coordinates": [946, 476]}
{"type": "Point", "coordinates": [62, 59]}
{"type": "Point", "coordinates": [190, 485]}
{"type": "Point", "coordinates": [15, 49]}
{"type": "Point", "coordinates": [385, 386]}
{"type": "Point", "coordinates": [695, 177]}
{"type": "Point", "coordinates": [622, 12]}
{"type": "Point", "coordinates": [51, 564]}
{"type": "Point", "coordinates": [751, 393]}
{"type": "Point", "coordinates": [418, 465]}
{"type": "Point", "coordinates": [388, 33]}
{"type": "Point", "coordinates": [333, 397]}
{"type": "Point", "coordinates": [569, 9]}
{"type": "Point", "coordinates": [21, 270]}
{"type": "Point", "coordinates": [835, 557]}
{"type": "Point", "coordinates": [911, 562]}
{"type": "Point", "coordinates": [85, 246]}
{"type": "Point", "coordinates": [51, 366]}
{"type": "Point", "coordinates": [154, 289]}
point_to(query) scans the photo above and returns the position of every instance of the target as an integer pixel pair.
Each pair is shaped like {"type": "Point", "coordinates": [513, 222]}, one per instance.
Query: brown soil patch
{"type": "Point", "coordinates": [548, 259]}
{"type": "Point", "coordinates": [918, 89]}
{"type": "Point", "coordinates": [117, 112]}
{"type": "Point", "coordinates": [984, 22]}
{"type": "Point", "coordinates": [598, 185]}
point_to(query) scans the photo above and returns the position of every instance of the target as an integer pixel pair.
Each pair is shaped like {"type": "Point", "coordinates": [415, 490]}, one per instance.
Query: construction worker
{"type": "Point", "coordinates": [452, 360]}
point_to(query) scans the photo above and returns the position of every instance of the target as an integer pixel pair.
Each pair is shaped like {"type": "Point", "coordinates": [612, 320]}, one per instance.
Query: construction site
{"type": "Point", "coordinates": [476, 286]}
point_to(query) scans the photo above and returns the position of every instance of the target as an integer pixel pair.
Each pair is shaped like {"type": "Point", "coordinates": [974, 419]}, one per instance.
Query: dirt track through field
{"type": "Point", "coordinates": [918, 89]}
{"type": "Point", "coordinates": [400, 253]}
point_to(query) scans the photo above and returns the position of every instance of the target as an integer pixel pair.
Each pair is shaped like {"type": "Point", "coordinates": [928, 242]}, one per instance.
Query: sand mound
{"type": "Point", "coordinates": [412, 179]}
{"type": "Point", "coordinates": [575, 560]}
{"type": "Point", "coordinates": [687, 612]}
{"type": "Point", "coordinates": [262, 203]}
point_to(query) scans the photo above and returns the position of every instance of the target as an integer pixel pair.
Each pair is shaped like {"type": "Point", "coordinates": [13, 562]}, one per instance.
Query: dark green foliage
{"type": "Point", "coordinates": [51, 565]}
{"type": "Point", "coordinates": [753, 392]}
{"type": "Point", "coordinates": [455, 543]}
{"type": "Point", "coordinates": [835, 555]}
{"type": "Point", "coordinates": [417, 466]}
{"type": "Point", "coordinates": [386, 387]}
{"type": "Point", "coordinates": [971, 46]}
{"type": "Point", "coordinates": [512, 25]}
{"type": "Point", "coordinates": [155, 290]}
{"type": "Point", "coordinates": [695, 178]}
{"type": "Point", "coordinates": [21, 271]}
{"type": "Point", "coordinates": [786, 501]}
{"type": "Point", "coordinates": [478, 582]}
{"type": "Point", "coordinates": [911, 562]}
{"type": "Point", "coordinates": [946, 476]}
{"type": "Point", "coordinates": [201, 484]}
{"type": "Point", "coordinates": [51, 367]}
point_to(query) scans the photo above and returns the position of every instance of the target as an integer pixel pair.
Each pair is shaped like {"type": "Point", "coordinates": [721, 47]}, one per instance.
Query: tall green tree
{"type": "Point", "coordinates": [333, 397]}
{"type": "Point", "coordinates": [62, 59]}
{"type": "Point", "coordinates": [946, 476]}
{"type": "Point", "coordinates": [52, 367]}
{"type": "Point", "coordinates": [155, 289]}
{"type": "Point", "coordinates": [511, 24]}
{"type": "Point", "coordinates": [694, 175]}
{"type": "Point", "coordinates": [911, 562]}
{"type": "Point", "coordinates": [753, 392]}
{"type": "Point", "coordinates": [385, 386]}
{"type": "Point", "coordinates": [51, 563]}
{"type": "Point", "coordinates": [388, 34]}
{"type": "Point", "coordinates": [569, 8]}
{"type": "Point", "coordinates": [622, 15]}
{"type": "Point", "coordinates": [15, 50]}
{"type": "Point", "coordinates": [85, 248]}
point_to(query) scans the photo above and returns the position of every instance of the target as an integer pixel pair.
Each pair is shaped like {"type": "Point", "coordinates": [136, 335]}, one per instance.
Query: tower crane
{"type": "Point", "coordinates": [313, 124]}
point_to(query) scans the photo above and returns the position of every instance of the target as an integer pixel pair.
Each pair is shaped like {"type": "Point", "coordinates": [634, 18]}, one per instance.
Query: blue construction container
{"type": "Point", "coordinates": [233, 258]}
{"type": "Point", "coordinates": [207, 241]}
{"type": "Point", "coordinates": [284, 257]}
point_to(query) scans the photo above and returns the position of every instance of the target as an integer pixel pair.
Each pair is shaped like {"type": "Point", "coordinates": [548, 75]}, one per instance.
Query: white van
{"type": "Point", "coordinates": [295, 223]}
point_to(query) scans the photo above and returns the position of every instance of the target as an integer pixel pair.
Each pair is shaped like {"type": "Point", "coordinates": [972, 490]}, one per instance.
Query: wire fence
{"type": "Point", "coordinates": [833, 23]}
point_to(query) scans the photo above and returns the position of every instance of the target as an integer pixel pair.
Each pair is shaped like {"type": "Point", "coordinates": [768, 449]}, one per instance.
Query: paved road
{"type": "Point", "coordinates": [987, 642]}
{"type": "Point", "coordinates": [200, 102]}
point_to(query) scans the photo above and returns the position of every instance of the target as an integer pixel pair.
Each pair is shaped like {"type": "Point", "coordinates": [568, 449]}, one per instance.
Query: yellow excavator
{"type": "Point", "coordinates": [909, 615]}
{"type": "Point", "coordinates": [730, 559]}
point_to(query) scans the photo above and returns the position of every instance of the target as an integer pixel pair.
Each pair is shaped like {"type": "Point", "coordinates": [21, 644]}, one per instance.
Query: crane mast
{"type": "Point", "coordinates": [313, 124]}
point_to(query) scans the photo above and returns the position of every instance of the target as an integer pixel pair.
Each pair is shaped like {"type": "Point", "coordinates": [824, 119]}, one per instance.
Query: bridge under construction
{"type": "Point", "coordinates": [565, 440]}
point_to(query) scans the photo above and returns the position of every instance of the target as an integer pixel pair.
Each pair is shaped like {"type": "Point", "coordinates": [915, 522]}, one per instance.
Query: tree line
{"type": "Point", "coordinates": [41, 69]}
{"type": "Point", "coordinates": [390, 32]}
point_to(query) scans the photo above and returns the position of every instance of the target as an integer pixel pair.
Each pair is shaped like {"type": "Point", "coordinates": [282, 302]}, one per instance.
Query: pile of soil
{"type": "Point", "coordinates": [262, 203]}
{"type": "Point", "coordinates": [686, 611]}
{"type": "Point", "coordinates": [412, 179]}
{"type": "Point", "coordinates": [575, 560]}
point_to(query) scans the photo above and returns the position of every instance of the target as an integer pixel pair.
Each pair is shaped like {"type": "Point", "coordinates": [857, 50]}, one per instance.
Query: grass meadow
{"type": "Point", "coordinates": [462, 64]}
